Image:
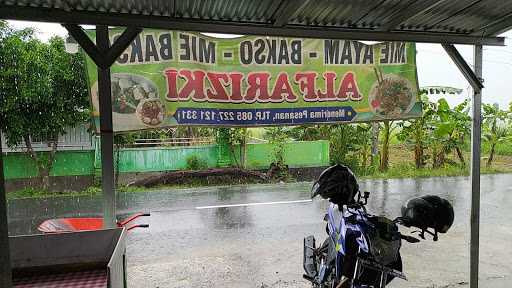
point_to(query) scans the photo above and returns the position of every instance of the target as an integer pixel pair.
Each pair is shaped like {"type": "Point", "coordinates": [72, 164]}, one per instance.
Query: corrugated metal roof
{"type": "Point", "coordinates": [462, 17]}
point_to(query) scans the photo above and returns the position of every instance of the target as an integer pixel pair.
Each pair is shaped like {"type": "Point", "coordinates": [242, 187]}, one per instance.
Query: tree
{"type": "Point", "coordinates": [278, 136]}
{"type": "Point", "coordinates": [343, 139]}
{"type": "Point", "coordinates": [227, 139]}
{"type": "Point", "coordinates": [310, 132]}
{"type": "Point", "coordinates": [495, 127]}
{"type": "Point", "coordinates": [384, 156]}
{"type": "Point", "coordinates": [42, 91]}
{"type": "Point", "coordinates": [450, 129]}
{"type": "Point", "coordinates": [441, 129]}
{"type": "Point", "coordinates": [416, 133]}
{"type": "Point", "coordinates": [363, 144]}
{"type": "Point", "coordinates": [241, 136]}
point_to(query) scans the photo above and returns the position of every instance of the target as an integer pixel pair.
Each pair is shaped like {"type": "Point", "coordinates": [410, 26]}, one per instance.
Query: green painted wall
{"type": "Point", "coordinates": [154, 159]}
{"type": "Point", "coordinates": [259, 156]}
{"type": "Point", "coordinates": [164, 158]}
{"type": "Point", "coordinates": [296, 154]}
{"type": "Point", "coordinates": [67, 163]}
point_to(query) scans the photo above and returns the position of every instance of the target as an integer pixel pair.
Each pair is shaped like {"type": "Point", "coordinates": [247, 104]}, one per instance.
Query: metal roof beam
{"type": "Point", "coordinates": [287, 10]}
{"type": "Point", "coordinates": [408, 13]}
{"type": "Point", "coordinates": [86, 43]}
{"type": "Point", "coordinates": [101, 58]}
{"type": "Point", "coordinates": [495, 28]}
{"type": "Point", "coordinates": [463, 66]}
{"type": "Point", "coordinates": [158, 22]}
{"type": "Point", "coordinates": [121, 44]}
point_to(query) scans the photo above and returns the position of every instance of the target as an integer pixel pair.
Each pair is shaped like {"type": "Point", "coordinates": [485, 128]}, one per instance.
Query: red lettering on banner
{"type": "Point", "coordinates": [172, 88]}
{"type": "Point", "coordinates": [282, 90]}
{"type": "Point", "coordinates": [329, 78]}
{"type": "Point", "coordinates": [257, 87]}
{"type": "Point", "coordinates": [349, 89]}
{"type": "Point", "coordinates": [236, 87]}
{"type": "Point", "coordinates": [194, 85]}
{"type": "Point", "coordinates": [217, 92]}
{"type": "Point", "coordinates": [307, 85]}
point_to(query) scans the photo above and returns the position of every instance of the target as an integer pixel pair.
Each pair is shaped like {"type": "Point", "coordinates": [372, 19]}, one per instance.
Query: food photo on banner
{"type": "Point", "coordinates": [172, 78]}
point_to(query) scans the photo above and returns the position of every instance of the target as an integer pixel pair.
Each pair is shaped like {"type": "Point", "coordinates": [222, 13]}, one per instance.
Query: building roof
{"type": "Point", "coordinates": [437, 21]}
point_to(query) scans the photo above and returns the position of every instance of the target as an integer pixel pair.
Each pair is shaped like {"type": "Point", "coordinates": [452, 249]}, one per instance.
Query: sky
{"type": "Point", "coordinates": [435, 68]}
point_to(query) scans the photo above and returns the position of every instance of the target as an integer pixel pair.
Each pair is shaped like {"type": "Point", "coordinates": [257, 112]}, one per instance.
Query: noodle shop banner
{"type": "Point", "coordinates": [171, 78]}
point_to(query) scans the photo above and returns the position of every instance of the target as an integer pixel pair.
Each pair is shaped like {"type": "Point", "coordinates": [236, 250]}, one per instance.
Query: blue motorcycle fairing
{"type": "Point", "coordinates": [346, 222]}
{"type": "Point", "coordinates": [342, 225]}
{"type": "Point", "coordinates": [346, 226]}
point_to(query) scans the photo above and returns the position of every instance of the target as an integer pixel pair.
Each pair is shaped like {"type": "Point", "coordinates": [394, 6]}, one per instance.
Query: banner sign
{"type": "Point", "coordinates": [171, 78]}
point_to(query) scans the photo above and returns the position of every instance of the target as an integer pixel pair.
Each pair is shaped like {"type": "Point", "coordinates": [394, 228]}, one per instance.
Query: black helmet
{"type": "Point", "coordinates": [428, 212]}
{"type": "Point", "coordinates": [338, 184]}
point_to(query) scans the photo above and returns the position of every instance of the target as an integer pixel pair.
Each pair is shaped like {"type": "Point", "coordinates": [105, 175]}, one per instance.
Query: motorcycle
{"type": "Point", "coordinates": [363, 250]}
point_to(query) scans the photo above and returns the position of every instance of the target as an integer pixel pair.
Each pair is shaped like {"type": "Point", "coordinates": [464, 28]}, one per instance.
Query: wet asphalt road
{"type": "Point", "coordinates": [201, 237]}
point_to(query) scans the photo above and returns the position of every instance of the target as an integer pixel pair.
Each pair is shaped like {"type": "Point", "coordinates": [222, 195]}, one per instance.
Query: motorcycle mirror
{"type": "Point", "coordinates": [365, 196]}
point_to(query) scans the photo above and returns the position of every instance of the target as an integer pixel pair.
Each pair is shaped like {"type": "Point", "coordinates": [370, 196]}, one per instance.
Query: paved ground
{"type": "Point", "coordinates": [203, 238]}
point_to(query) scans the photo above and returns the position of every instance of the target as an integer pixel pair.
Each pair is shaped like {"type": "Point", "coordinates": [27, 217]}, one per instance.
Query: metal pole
{"type": "Point", "coordinates": [107, 135]}
{"type": "Point", "coordinates": [475, 171]}
{"type": "Point", "coordinates": [5, 260]}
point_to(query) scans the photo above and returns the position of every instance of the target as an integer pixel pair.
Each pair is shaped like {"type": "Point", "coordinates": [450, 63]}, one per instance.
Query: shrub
{"type": "Point", "coordinates": [195, 162]}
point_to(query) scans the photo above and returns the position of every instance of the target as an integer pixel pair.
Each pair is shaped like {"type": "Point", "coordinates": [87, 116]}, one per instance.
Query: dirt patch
{"type": "Point", "coordinates": [209, 177]}
{"type": "Point", "coordinates": [221, 176]}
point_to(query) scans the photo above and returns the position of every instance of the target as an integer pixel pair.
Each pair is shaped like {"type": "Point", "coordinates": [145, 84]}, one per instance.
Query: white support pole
{"type": "Point", "coordinates": [5, 262]}
{"type": "Point", "coordinates": [476, 134]}
{"type": "Point", "coordinates": [107, 135]}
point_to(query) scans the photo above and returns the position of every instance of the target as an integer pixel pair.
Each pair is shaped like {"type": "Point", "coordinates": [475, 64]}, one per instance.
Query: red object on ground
{"type": "Point", "coordinates": [61, 225]}
{"type": "Point", "coordinates": [83, 279]}
{"type": "Point", "coordinates": [70, 225]}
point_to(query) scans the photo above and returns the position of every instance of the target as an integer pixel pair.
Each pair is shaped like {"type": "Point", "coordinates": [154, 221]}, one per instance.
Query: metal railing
{"type": "Point", "coordinates": [173, 142]}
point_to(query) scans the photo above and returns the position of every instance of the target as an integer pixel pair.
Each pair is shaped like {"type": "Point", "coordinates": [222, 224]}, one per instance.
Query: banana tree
{"type": "Point", "coordinates": [387, 129]}
{"type": "Point", "coordinates": [450, 130]}
{"type": "Point", "coordinates": [416, 133]}
{"type": "Point", "coordinates": [363, 144]}
{"type": "Point", "coordinates": [495, 128]}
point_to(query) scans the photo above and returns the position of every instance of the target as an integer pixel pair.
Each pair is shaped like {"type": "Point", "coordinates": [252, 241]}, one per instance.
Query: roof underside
{"type": "Point", "coordinates": [449, 21]}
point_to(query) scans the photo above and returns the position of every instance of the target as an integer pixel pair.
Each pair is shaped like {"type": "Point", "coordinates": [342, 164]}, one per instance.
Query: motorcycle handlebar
{"type": "Point", "coordinates": [409, 239]}
{"type": "Point", "coordinates": [138, 226]}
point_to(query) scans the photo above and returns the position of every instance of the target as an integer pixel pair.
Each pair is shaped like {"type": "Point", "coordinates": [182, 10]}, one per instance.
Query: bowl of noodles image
{"type": "Point", "coordinates": [128, 90]}
{"type": "Point", "coordinates": [392, 95]}
{"type": "Point", "coordinates": [151, 112]}
{"type": "Point", "coordinates": [135, 101]}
